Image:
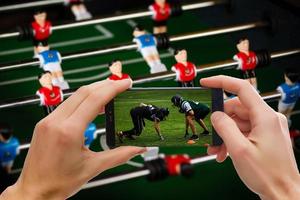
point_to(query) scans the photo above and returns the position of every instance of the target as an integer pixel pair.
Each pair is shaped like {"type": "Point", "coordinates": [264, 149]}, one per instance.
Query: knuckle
{"type": "Point", "coordinates": [84, 90]}
{"type": "Point", "coordinates": [242, 150]}
{"type": "Point", "coordinates": [43, 125]}
{"type": "Point", "coordinates": [94, 96]}
{"type": "Point", "coordinates": [274, 119]}
{"type": "Point", "coordinates": [221, 122]}
{"type": "Point", "coordinates": [246, 84]}
{"type": "Point", "coordinates": [283, 121]}
{"type": "Point", "coordinates": [281, 117]}
{"type": "Point", "coordinates": [66, 128]}
{"type": "Point", "coordinates": [65, 134]}
{"type": "Point", "coordinates": [115, 89]}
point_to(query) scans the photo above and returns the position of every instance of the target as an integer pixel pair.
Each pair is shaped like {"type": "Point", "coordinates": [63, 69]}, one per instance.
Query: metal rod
{"type": "Point", "coordinates": [20, 103]}
{"type": "Point", "coordinates": [120, 17]}
{"type": "Point", "coordinates": [119, 178]}
{"type": "Point", "coordinates": [219, 31]}
{"type": "Point", "coordinates": [35, 62]}
{"type": "Point", "coordinates": [9, 35]}
{"type": "Point", "coordinates": [285, 53]}
{"type": "Point", "coordinates": [131, 46]}
{"type": "Point", "coordinates": [30, 5]}
{"type": "Point", "coordinates": [203, 159]}
{"type": "Point", "coordinates": [24, 146]}
{"type": "Point", "coordinates": [272, 95]}
{"type": "Point", "coordinates": [101, 51]}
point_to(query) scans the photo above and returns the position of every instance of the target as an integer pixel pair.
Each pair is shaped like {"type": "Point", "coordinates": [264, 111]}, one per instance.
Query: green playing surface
{"type": "Point", "coordinates": [211, 181]}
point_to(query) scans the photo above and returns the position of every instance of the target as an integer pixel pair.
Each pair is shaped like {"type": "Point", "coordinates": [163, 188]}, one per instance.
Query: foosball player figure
{"type": "Point", "coordinates": [147, 46]}
{"type": "Point", "coordinates": [290, 92]}
{"type": "Point", "coordinates": [115, 67]}
{"type": "Point", "coordinates": [79, 9]}
{"type": "Point", "coordinates": [90, 134]}
{"type": "Point", "coordinates": [50, 60]}
{"type": "Point", "coordinates": [161, 13]}
{"type": "Point", "coordinates": [9, 149]}
{"type": "Point", "coordinates": [41, 29]}
{"type": "Point", "coordinates": [247, 61]}
{"type": "Point", "coordinates": [169, 165]}
{"type": "Point", "coordinates": [50, 95]}
{"type": "Point", "coordinates": [185, 71]}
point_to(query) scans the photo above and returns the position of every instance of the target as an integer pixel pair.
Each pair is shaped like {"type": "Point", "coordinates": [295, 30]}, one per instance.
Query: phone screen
{"type": "Point", "coordinates": [162, 117]}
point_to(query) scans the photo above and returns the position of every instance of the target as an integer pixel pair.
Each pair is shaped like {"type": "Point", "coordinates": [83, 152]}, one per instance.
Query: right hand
{"type": "Point", "coordinates": [256, 139]}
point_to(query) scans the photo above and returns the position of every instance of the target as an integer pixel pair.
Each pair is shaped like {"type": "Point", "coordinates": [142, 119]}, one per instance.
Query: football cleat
{"type": "Point", "coordinates": [194, 137]}
{"type": "Point", "coordinates": [205, 133]}
{"type": "Point", "coordinates": [120, 136]}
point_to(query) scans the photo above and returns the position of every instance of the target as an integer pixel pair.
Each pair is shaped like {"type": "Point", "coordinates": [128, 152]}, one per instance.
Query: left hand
{"type": "Point", "coordinates": [58, 163]}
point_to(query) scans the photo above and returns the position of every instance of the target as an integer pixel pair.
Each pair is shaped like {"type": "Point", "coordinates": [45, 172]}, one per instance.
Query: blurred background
{"type": "Point", "coordinates": [211, 180]}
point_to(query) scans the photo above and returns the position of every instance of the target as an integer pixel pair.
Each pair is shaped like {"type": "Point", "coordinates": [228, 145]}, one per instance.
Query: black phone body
{"type": "Point", "coordinates": [148, 117]}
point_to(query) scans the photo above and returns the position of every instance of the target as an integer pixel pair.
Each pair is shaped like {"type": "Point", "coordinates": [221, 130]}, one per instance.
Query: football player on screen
{"type": "Point", "coordinates": [193, 111]}
{"type": "Point", "coordinates": [138, 116]}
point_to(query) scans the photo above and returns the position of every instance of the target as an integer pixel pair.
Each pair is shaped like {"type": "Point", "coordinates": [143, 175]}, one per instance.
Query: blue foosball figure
{"type": "Point", "coordinates": [90, 134]}
{"type": "Point", "coordinates": [9, 147]}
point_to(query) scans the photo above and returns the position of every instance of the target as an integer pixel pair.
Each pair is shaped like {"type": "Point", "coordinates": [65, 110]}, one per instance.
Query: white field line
{"type": "Point", "coordinates": [84, 69]}
{"type": "Point", "coordinates": [131, 23]}
{"type": "Point", "coordinates": [106, 34]}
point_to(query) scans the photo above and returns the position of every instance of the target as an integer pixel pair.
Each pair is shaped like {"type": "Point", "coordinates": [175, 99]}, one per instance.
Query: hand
{"type": "Point", "coordinates": [58, 164]}
{"type": "Point", "coordinates": [256, 139]}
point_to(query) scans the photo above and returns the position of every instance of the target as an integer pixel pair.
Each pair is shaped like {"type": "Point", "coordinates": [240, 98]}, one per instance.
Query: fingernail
{"type": "Point", "coordinates": [216, 116]}
{"type": "Point", "coordinates": [142, 150]}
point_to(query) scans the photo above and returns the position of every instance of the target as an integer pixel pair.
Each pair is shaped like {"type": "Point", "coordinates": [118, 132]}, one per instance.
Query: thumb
{"type": "Point", "coordinates": [104, 160]}
{"type": "Point", "coordinates": [229, 132]}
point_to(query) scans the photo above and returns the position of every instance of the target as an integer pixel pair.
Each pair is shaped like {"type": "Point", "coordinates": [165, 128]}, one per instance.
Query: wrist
{"type": "Point", "coordinates": [288, 189]}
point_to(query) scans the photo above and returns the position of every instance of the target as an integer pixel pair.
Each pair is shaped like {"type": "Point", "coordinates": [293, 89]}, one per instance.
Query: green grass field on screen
{"type": "Point", "coordinates": [173, 129]}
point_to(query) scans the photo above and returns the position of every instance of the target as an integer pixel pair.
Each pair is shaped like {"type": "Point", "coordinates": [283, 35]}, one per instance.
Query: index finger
{"type": "Point", "coordinates": [66, 108]}
{"type": "Point", "coordinates": [243, 89]}
{"type": "Point", "coordinates": [94, 103]}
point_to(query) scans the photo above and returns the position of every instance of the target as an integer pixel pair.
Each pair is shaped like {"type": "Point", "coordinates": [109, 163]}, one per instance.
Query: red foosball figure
{"type": "Point", "coordinates": [161, 13]}
{"type": "Point", "coordinates": [50, 96]}
{"type": "Point", "coordinates": [115, 68]}
{"type": "Point", "coordinates": [41, 29]}
{"type": "Point", "coordinates": [247, 61]}
{"type": "Point", "coordinates": [185, 71]}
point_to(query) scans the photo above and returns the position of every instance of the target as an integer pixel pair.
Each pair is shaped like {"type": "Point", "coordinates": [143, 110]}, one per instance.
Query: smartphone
{"type": "Point", "coordinates": [163, 117]}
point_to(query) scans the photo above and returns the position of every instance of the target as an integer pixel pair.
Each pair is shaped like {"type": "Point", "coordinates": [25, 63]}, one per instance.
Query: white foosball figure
{"type": "Point", "coordinates": [50, 60]}
{"type": "Point", "coordinates": [79, 9]}
{"type": "Point", "coordinates": [147, 47]}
